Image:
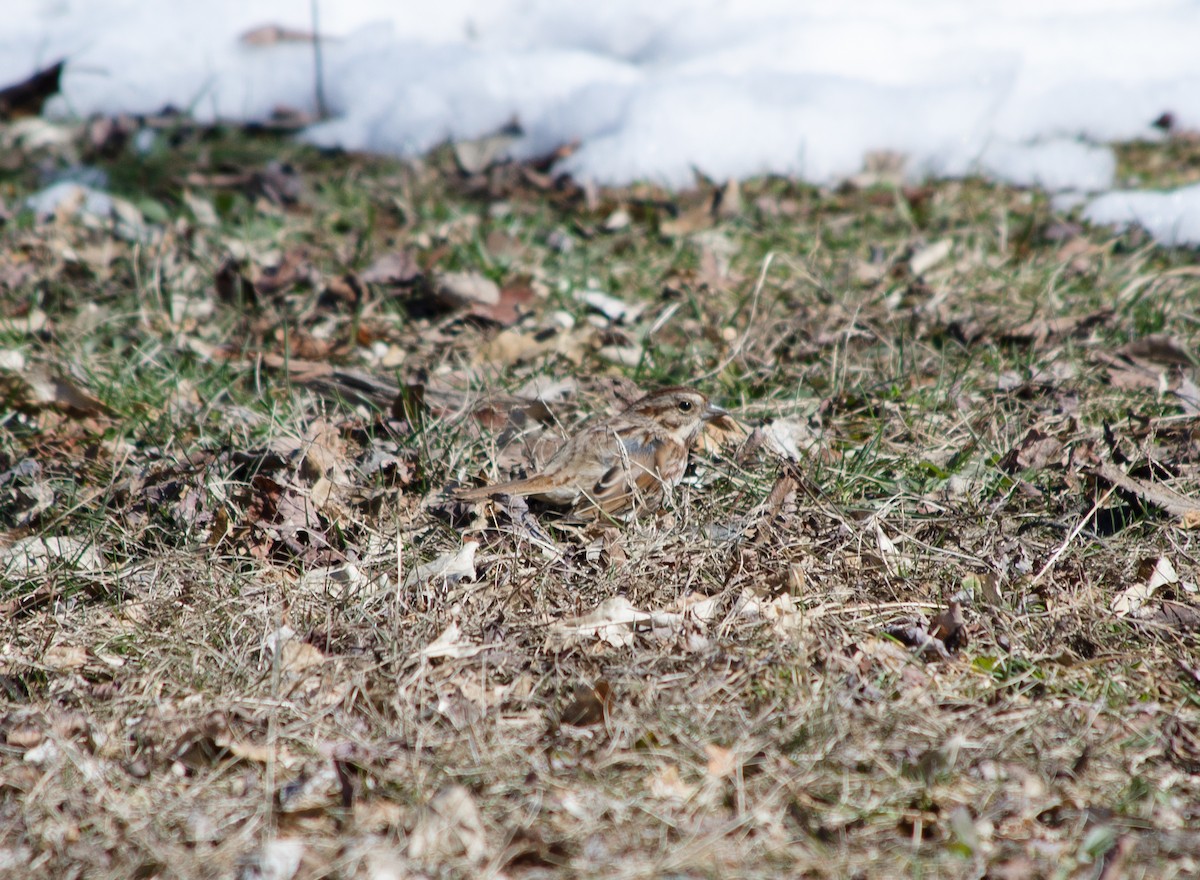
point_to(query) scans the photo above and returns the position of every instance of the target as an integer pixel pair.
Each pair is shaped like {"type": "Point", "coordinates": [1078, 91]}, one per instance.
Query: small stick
{"type": "Point", "coordinates": [1062, 548]}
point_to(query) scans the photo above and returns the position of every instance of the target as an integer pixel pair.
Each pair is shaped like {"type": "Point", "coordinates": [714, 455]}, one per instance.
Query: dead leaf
{"type": "Point", "coordinates": [613, 622]}
{"type": "Point", "coordinates": [1132, 600]}
{"type": "Point", "coordinates": [923, 644]}
{"type": "Point", "coordinates": [396, 268]}
{"type": "Point", "coordinates": [667, 784]}
{"type": "Point", "coordinates": [616, 310]}
{"type": "Point", "coordinates": [722, 762]}
{"type": "Point", "coordinates": [687, 222]}
{"type": "Point", "coordinates": [1036, 451]}
{"type": "Point", "coordinates": [65, 658]}
{"type": "Point", "coordinates": [478, 155]}
{"type": "Point", "coordinates": [324, 452]}
{"type": "Point", "coordinates": [449, 567]}
{"type": "Point", "coordinates": [451, 643]}
{"type": "Point", "coordinates": [617, 220]}
{"type": "Point", "coordinates": [294, 268]}
{"type": "Point", "coordinates": [591, 705]}
{"type": "Point", "coordinates": [35, 555]}
{"type": "Point", "coordinates": [1159, 348]}
{"type": "Point", "coordinates": [26, 98]}
{"type": "Point", "coordinates": [342, 582]}
{"type": "Point", "coordinates": [788, 438]}
{"type": "Point", "coordinates": [461, 290]}
{"type": "Point", "coordinates": [508, 309]}
{"type": "Point", "coordinates": [449, 826]}
{"type": "Point", "coordinates": [896, 562]}
{"type": "Point", "coordinates": [292, 654]}
{"type": "Point", "coordinates": [1176, 615]}
{"type": "Point", "coordinates": [727, 201]}
{"type": "Point", "coordinates": [949, 627]}
{"type": "Point", "coordinates": [1156, 494]}
{"type": "Point", "coordinates": [929, 256]}
{"type": "Point", "coordinates": [36, 388]}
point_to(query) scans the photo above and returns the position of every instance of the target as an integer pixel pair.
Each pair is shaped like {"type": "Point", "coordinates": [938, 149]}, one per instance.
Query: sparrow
{"type": "Point", "coordinates": [617, 464]}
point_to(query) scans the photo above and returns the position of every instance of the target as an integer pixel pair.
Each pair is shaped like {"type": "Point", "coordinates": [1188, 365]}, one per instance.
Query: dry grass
{"type": "Point", "coordinates": [207, 698]}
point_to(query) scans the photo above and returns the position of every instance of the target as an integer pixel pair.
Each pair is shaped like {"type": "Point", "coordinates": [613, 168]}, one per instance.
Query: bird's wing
{"type": "Point", "coordinates": [637, 475]}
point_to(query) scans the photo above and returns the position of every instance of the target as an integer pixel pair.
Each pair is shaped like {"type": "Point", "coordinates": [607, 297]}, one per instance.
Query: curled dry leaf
{"type": "Point", "coordinates": [1134, 600]}
{"type": "Point", "coordinates": [509, 308]}
{"type": "Point", "coordinates": [1036, 451]}
{"type": "Point", "coordinates": [449, 826]}
{"type": "Point", "coordinates": [25, 98]}
{"type": "Point", "coordinates": [590, 705]}
{"type": "Point", "coordinates": [788, 438]}
{"type": "Point", "coordinates": [722, 762]}
{"type": "Point", "coordinates": [35, 389]}
{"type": "Point", "coordinates": [65, 658]}
{"type": "Point", "coordinates": [342, 582]}
{"type": "Point", "coordinates": [1040, 332]}
{"type": "Point", "coordinates": [949, 627]}
{"type": "Point", "coordinates": [395, 268]}
{"type": "Point", "coordinates": [294, 655]}
{"type": "Point", "coordinates": [1157, 494]}
{"type": "Point", "coordinates": [465, 289]}
{"type": "Point", "coordinates": [316, 788]}
{"type": "Point", "coordinates": [451, 643]}
{"type": "Point", "coordinates": [613, 622]}
{"type": "Point", "coordinates": [449, 567]}
{"type": "Point", "coordinates": [667, 784]}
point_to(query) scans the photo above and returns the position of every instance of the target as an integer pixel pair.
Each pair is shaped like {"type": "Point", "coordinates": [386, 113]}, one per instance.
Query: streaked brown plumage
{"type": "Point", "coordinates": [618, 463]}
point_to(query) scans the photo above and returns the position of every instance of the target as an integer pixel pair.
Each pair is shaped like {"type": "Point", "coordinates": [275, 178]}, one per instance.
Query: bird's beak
{"type": "Point", "coordinates": [713, 412]}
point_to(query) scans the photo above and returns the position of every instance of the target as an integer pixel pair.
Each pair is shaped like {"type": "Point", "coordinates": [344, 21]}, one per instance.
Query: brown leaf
{"type": "Point", "coordinates": [345, 290]}
{"type": "Point", "coordinates": [450, 825]}
{"type": "Point", "coordinates": [1036, 451]}
{"type": "Point", "coordinates": [27, 97]}
{"type": "Point", "coordinates": [1183, 743]}
{"type": "Point", "coordinates": [1156, 494]}
{"type": "Point", "coordinates": [727, 201]}
{"type": "Point", "coordinates": [949, 627]}
{"type": "Point", "coordinates": [693, 220]}
{"type": "Point", "coordinates": [591, 705]}
{"type": "Point", "coordinates": [394, 268]}
{"type": "Point", "coordinates": [722, 762]}
{"type": "Point", "coordinates": [1176, 615]}
{"type": "Point", "coordinates": [291, 270]}
{"type": "Point", "coordinates": [1159, 348]}
{"type": "Point", "coordinates": [232, 286]}
{"type": "Point", "coordinates": [507, 309]}
{"type": "Point", "coordinates": [37, 389]}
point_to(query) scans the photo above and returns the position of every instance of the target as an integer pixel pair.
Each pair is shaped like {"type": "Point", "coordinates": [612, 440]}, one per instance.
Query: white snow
{"type": "Point", "coordinates": [1172, 217]}
{"type": "Point", "coordinates": [1024, 91]}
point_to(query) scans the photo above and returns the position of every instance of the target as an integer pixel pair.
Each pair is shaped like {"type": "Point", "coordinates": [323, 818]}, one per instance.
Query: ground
{"type": "Point", "coordinates": [928, 608]}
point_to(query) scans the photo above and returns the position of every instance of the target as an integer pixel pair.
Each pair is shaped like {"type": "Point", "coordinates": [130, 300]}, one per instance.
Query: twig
{"type": "Point", "coordinates": [1062, 548]}
{"type": "Point", "coordinates": [318, 66]}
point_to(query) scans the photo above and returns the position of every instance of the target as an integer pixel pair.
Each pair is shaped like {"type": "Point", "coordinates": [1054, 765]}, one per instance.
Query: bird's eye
{"type": "Point", "coordinates": [685, 406]}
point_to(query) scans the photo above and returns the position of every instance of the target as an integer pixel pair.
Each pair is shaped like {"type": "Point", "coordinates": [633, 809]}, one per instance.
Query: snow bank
{"type": "Point", "coordinates": [1026, 91]}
